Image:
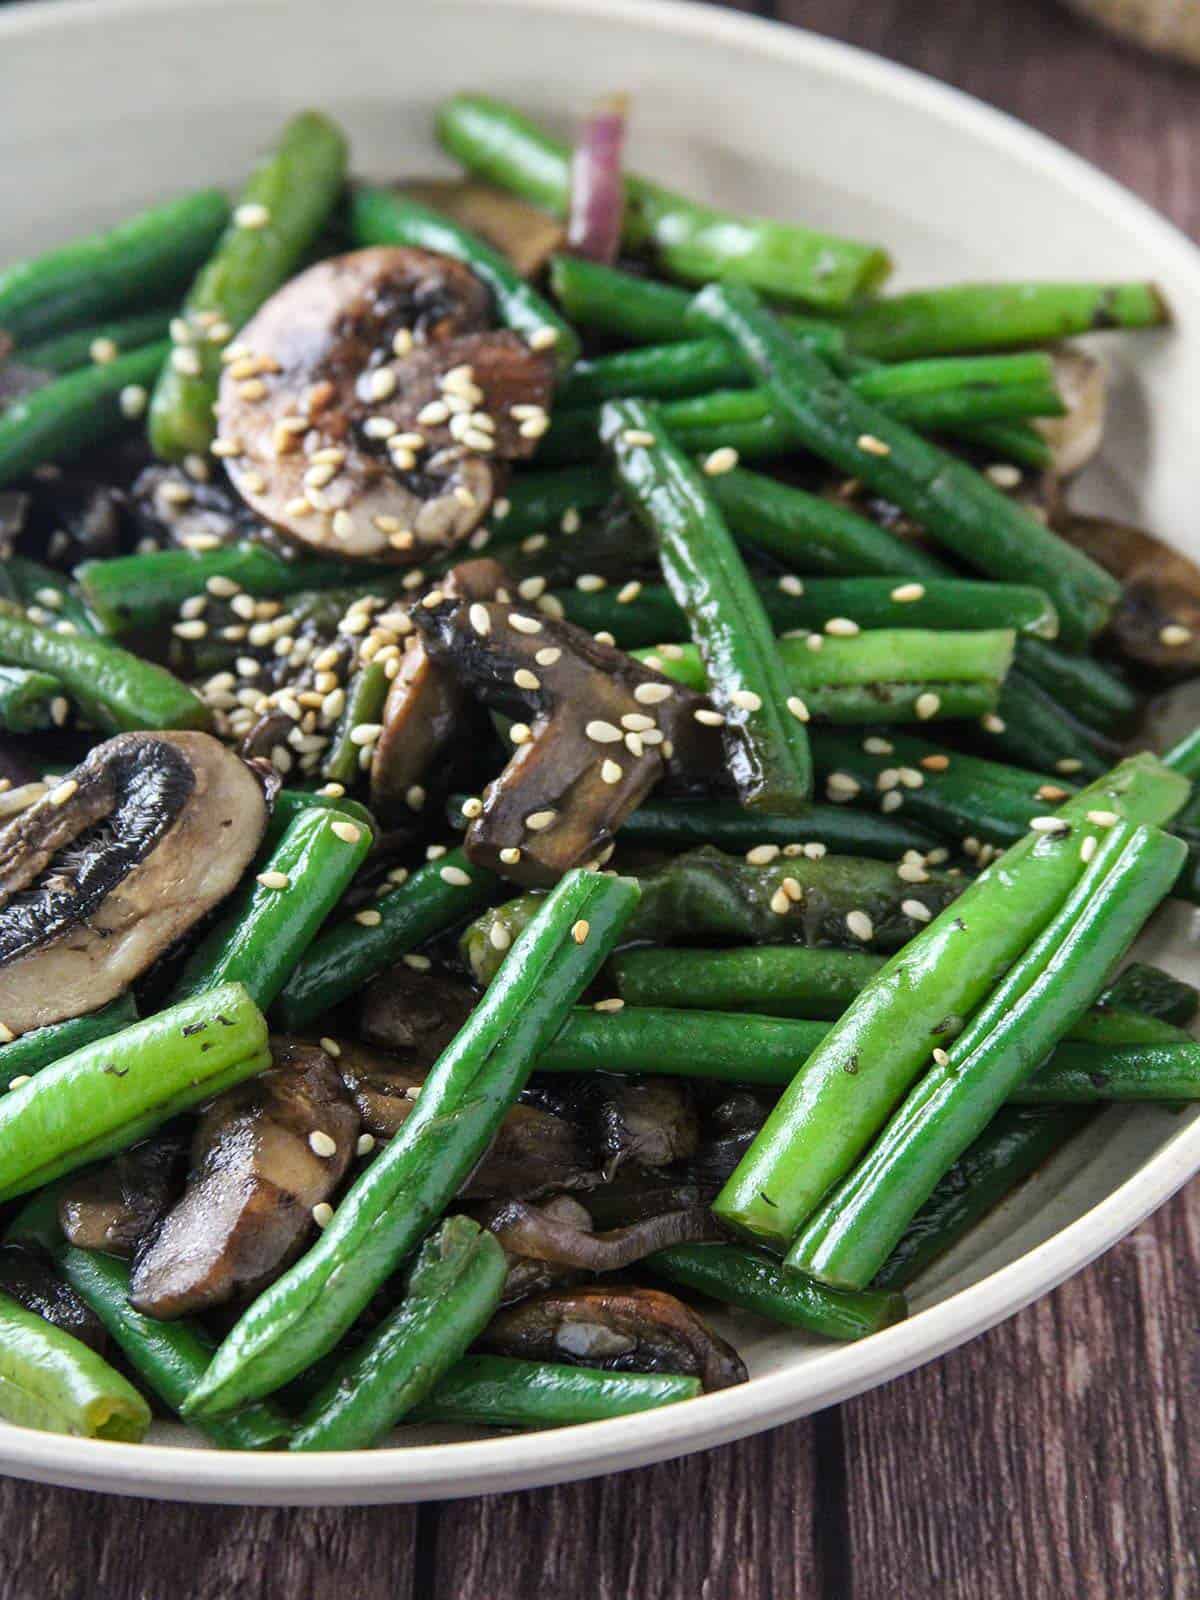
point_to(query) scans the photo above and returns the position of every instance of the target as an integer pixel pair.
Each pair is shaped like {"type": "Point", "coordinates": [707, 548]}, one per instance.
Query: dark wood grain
{"type": "Point", "coordinates": [1053, 1458]}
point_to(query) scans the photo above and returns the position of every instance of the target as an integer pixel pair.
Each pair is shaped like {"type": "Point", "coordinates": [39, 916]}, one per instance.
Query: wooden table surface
{"type": "Point", "coordinates": [1056, 1457]}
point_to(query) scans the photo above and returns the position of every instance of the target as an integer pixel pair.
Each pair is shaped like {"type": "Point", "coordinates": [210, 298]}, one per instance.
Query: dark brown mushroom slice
{"type": "Point", "coordinates": [540, 1233]}
{"type": "Point", "coordinates": [367, 409]}
{"type": "Point", "coordinates": [1157, 620]}
{"type": "Point", "coordinates": [651, 1123]}
{"type": "Point", "coordinates": [535, 1150]}
{"type": "Point", "coordinates": [32, 1282]}
{"type": "Point", "coordinates": [114, 864]}
{"type": "Point", "coordinates": [617, 1327]}
{"type": "Point", "coordinates": [426, 706]}
{"type": "Point", "coordinates": [264, 1154]}
{"type": "Point", "coordinates": [414, 1013]}
{"type": "Point", "coordinates": [1075, 437]}
{"type": "Point", "coordinates": [115, 1205]}
{"type": "Point", "coordinates": [527, 236]}
{"type": "Point", "coordinates": [597, 729]}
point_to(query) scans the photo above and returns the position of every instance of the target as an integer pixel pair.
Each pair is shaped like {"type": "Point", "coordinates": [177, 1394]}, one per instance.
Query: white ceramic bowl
{"type": "Point", "coordinates": [108, 106]}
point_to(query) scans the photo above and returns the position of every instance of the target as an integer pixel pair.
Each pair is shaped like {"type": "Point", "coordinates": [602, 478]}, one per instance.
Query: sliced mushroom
{"type": "Point", "coordinates": [179, 510]}
{"type": "Point", "coordinates": [527, 236]}
{"type": "Point", "coordinates": [539, 1234]}
{"type": "Point", "coordinates": [730, 1129]}
{"type": "Point", "coordinates": [414, 1013]}
{"type": "Point", "coordinates": [1157, 621]}
{"type": "Point", "coordinates": [367, 409]}
{"type": "Point", "coordinates": [651, 1123]}
{"type": "Point", "coordinates": [617, 1327]}
{"type": "Point", "coordinates": [116, 1205]}
{"type": "Point", "coordinates": [263, 1156]}
{"type": "Point", "coordinates": [426, 706]}
{"type": "Point", "coordinates": [534, 1150]}
{"type": "Point", "coordinates": [33, 1283]}
{"type": "Point", "coordinates": [600, 729]}
{"type": "Point", "coordinates": [1083, 384]}
{"type": "Point", "coordinates": [114, 864]}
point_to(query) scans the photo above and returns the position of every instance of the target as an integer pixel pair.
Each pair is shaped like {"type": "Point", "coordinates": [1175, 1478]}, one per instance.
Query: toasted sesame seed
{"type": "Point", "coordinates": [1068, 764]}
{"type": "Point", "coordinates": [132, 400]}
{"type": "Point", "coordinates": [1048, 825]}
{"type": "Point", "coordinates": [905, 593]}
{"type": "Point", "coordinates": [1174, 634]}
{"type": "Point", "coordinates": [537, 821]}
{"type": "Point", "coordinates": [927, 705]}
{"type": "Point", "coordinates": [368, 919]}
{"type": "Point", "coordinates": [510, 855]}
{"type": "Point", "coordinates": [628, 592]}
{"type": "Point", "coordinates": [842, 627]}
{"type": "Point", "coordinates": [710, 719]}
{"type": "Point", "coordinates": [615, 1004]}
{"type": "Point", "coordinates": [761, 855]}
{"type": "Point", "coordinates": [638, 436]}
{"type": "Point", "coordinates": [720, 461]}
{"type": "Point", "coordinates": [746, 699]}
{"type": "Point", "coordinates": [935, 763]}
{"type": "Point", "coordinates": [348, 832]}
{"type": "Point", "coordinates": [62, 793]}
{"type": "Point", "coordinates": [520, 733]}
{"type": "Point", "coordinates": [580, 930]}
{"type": "Point", "coordinates": [252, 389]}
{"type": "Point", "coordinates": [524, 679]}
{"type": "Point", "coordinates": [472, 807]}
{"type": "Point", "coordinates": [873, 446]}
{"type": "Point", "coordinates": [780, 903]}
{"type": "Point", "coordinates": [322, 1213]}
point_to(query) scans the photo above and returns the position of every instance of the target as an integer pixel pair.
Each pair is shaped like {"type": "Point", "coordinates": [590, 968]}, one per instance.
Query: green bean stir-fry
{"type": "Point", "coordinates": [566, 760]}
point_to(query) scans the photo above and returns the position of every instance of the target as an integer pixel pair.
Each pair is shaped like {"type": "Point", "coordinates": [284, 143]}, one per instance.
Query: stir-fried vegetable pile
{"type": "Point", "coordinates": [484, 865]}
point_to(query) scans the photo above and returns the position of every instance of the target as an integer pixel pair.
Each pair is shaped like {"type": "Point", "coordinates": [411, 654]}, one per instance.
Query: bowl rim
{"type": "Point", "coordinates": [509, 1462]}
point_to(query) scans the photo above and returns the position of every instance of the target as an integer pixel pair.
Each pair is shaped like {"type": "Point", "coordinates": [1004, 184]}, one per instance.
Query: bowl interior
{"type": "Point", "coordinates": [755, 118]}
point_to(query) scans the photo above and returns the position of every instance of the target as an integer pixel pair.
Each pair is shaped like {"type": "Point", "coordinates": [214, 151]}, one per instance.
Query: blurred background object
{"type": "Point", "coordinates": [1169, 27]}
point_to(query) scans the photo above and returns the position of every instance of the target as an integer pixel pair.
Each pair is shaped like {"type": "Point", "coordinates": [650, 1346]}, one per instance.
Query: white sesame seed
{"type": "Point", "coordinates": [273, 879]}
{"type": "Point", "coordinates": [1004, 475]}
{"type": "Point", "coordinates": [791, 584]}
{"type": "Point", "coordinates": [524, 624]}
{"type": "Point", "coordinates": [432, 415]}
{"type": "Point", "coordinates": [479, 619]}
{"type": "Point", "coordinates": [343, 524]}
{"type": "Point", "coordinates": [537, 821]}
{"type": "Point", "coordinates": [652, 694]}
{"type": "Point", "coordinates": [860, 925]}
{"type": "Point", "coordinates": [25, 1077]}
{"type": "Point", "coordinates": [544, 338]}
{"type": "Point", "coordinates": [1174, 634]}
{"type": "Point", "coordinates": [628, 592]}
{"type": "Point", "coordinates": [132, 400]}
{"type": "Point", "coordinates": [941, 1057]}
{"type": "Point", "coordinates": [927, 705]}
{"type": "Point", "coordinates": [873, 446]}
{"type": "Point", "coordinates": [60, 710]}
{"type": "Point", "coordinates": [633, 743]}
{"type": "Point", "coordinates": [580, 930]}
{"type": "Point", "coordinates": [456, 877]}
{"type": "Point", "coordinates": [190, 630]}
{"type": "Point", "coordinates": [499, 937]}
{"type": "Point", "coordinates": [842, 627]}
{"type": "Point", "coordinates": [1103, 819]}
{"type": "Point", "coordinates": [320, 1143]}
{"type": "Point", "coordinates": [366, 733]}
{"type": "Point", "coordinates": [604, 637]}
{"type": "Point", "coordinates": [368, 919]}
{"type": "Point", "coordinates": [252, 216]}
{"type": "Point", "coordinates": [912, 872]}
{"type": "Point", "coordinates": [510, 855]}
{"type": "Point", "coordinates": [402, 342]}
{"type": "Point", "coordinates": [590, 583]}
{"type": "Point", "coordinates": [615, 1004]}
{"type": "Point", "coordinates": [548, 656]}
{"type": "Point", "coordinates": [761, 855]}
{"type": "Point", "coordinates": [842, 783]}
{"type": "Point", "coordinates": [418, 964]}
{"type": "Point", "coordinates": [611, 771]}
{"type": "Point", "coordinates": [602, 732]}
{"type": "Point", "coordinates": [322, 1213]}
{"type": "Point", "coordinates": [916, 909]}
{"type": "Point", "coordinates": [366, 1143]}
{"type": "Point", "coordinates": [720, 461]}
{"type": "Point", "coordinates": [524, 679]}
{"type": "Point", "coordinates": [797, 708]}
{"type": "Point", "coordinates": [905, 593]}
{"type": "Point", "coordinates": [253, 389]}
{"type": "Point", "coordinates": [381, 384]}
{"type": "Point", "coordinates": [638, 436]}
{"type": "Point", "coordinates": [814, 641]}
{"type": "Point", "coordinates": [746, 699]}
{"type": "Point", "coordinates": [1068, 764]}
{"type": "Point", "coordinates": [62, 793]}
{"type": "Point", "coordinates": [780, 903]}
{"type": "Point", "coordinates": [710, 719]}
{"type": "Point", "coordinates": [991, 723]}
{"type": "Point", "coordinates": [791, 887]}
{"type": "Point", "coordinates": [348, 832]}
{"type": "Point", "coordinates": [1088, 848]}
{"type": "Point", "coordinates": [1048, 825]}
{"type": "Point", "coordinates": [520, 733]}
{"type": "Point", "coordinates": [185, 361]}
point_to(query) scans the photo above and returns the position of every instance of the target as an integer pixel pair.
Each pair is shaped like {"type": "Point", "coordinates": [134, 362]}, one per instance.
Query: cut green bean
{"type": "Point", "coordinates": [766, 745]}
{"type": "Point", "coordinates": [689, 240]}
{"type": "Point", "coordinates": [957, 505]}
{"type": "Point", "coordinates": [342, 959]}
{"type": "Point", "coordinates": [1032, 728]}
{"type": "Point", "coordinates": [66, 417]}
{"type": "Point", "coordinates": [753, 1281]}
{"type": "Point", "coordinates": [48, 597]}
{"type": "Point", "coordinates": [110, 1093]}
{"type": "Point", "coordinates": [169, 1356]}
{"type": "Point", "coordinates": [804, 981]}
{"type": "Point", "coordinates": [536, 501]}
{"type": "Point", "coordinates": [462, 1102]}
{"type": "Point", "coordinates": [827, 1118]}
{"type": "Point", "coordinates": [1086, 686]}
{"type": "Point", "coordinates": [1154, 993]}
{"type": "Point", "coordinates": [100, 343]}
{"type": "Point", "coordinates": [684, 824]}
{"type": "Point", "coordinates": [1184, 756]}
{"type": "Point", "coordinates": [272, 920]}
{"type": "Point", "coordinates": [289, 803]}
{"type": "Point", "coordinates": [22, 1057]}
{"type": "Point", "coordinates": [1081, 1074]}
{"type": "Point", "coordinates": [50, 1380]}
{"type": "Point", "coordinates": [849, 1237]}
{"type": "Point", "coordinates": [384, 216]}
{"type": "Point", "coordinates": [280, 212]}
{"type": "Point", "coordinates": [451, 1293]}
{"type": "Point", "coordinates": [117, 691]}
{"type": "Point", "coordinates": [499, 1392]}
{"type": "Point", "coordinates": [996, 316]}
{"type": "Point", "coordinates": [365, 696]}
{"type": "Point", "coordinates": [27, 700]}
{"type": "Point", "coordinates": [145, 258]}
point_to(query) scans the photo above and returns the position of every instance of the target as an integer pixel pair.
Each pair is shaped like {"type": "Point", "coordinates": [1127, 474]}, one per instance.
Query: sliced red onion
{"type": "Point", "coordinates": [597, 190]}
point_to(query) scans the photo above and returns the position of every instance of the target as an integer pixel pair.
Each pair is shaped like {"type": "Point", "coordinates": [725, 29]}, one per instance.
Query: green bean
{"type": "Point", "coordinates": [62, 419]}
{"type": "Point", "coordinates": [691, 366]}
{"type": "Point", "coordinates": [271, 921]}
{"type": "Point", "coordinates": [22, 1057]}
{"type": "Point", "coordinates": [463, 1100]}
{"type": "Point", "coordinates": [1015, 1144]}
{"type": "Point", "coordinates": [1079, 1074]}
{"type": "Point", "coordinates": [140, 591]}
{"type": "Point", "coordinates": [957, 505]}
{"type": "Point", "coordinates": [1033, 728]}
{"type": "Point", "coordinates": [365, 696]}
{"type": "Point", "coordinates": [539, 500]}
{"type": "Point", "coordinates": [809, 533]}
{"type": "Point", "coordinates": [641, 310]}
{"type": "Point", "coordinates": [690, 241]}
{"type": "Point", "coordinates": [116, 691]}
{"type": "Point", "coordinates": [502, 1393]}
{"type": "Point", "coordinates": [384, 216]}
{"type": "Point", "coordinates": [100, 343]}
{"type": "Point", "coordinates": [1184, 756]}
{"type": "Point", "coordinates": [849, 1237]}
{"type": "Point", "coordinates": [751, 1280]}
{"type": "Point", "coordinates": [802, 981]}
{"type": "Point", "coordinates": [766, 745]}
{"type": "Point", "coordinates": [344, 957]}
{"type": "Point", "coordinates": [48, 598]}
{"type": "Point", "coordinates": [110, 1093]}
{"type": "Point", "coordinates": [682, 824]}
{"type": "Point", "coordinates": [50, 1380]}
{"type": "Point", "coordinates": [291, 194]}
{"type": "Point", "coordinates": [27, 700]}
{"type": "Point", "coordinates": [1014, 441]}
{"type": "Point", "coordinates": [1154, 993]}
{"type": "Point", "coordinates": [1089, 689]}
{"type": "Point", "coordinates": [452, 1291]}
{"type": "Point", "coordinates": [289, 803]}
{"type": "Point", "coordinates": [142, 259]}
{"type": "Point", "coordinates": [823, 1122]}
{"type": "Point", "coordinates": [995, 316]}
{"type": "Point", "coordinates": [169, 1356]}
{"type": "Point", "coordinates": [870, 603]}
